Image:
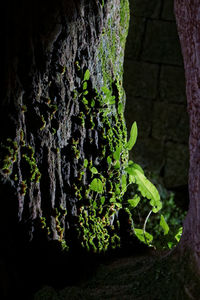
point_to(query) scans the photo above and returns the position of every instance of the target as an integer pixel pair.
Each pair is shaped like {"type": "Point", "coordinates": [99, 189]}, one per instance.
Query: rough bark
{"type": "Point", "coordinates": [61, 115]}
{"type": "Point", "coordinates": [188, 23]}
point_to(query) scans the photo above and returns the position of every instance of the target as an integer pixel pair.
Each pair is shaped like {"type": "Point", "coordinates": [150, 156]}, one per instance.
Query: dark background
{"type": "Point", "coordinates": [155, 89]}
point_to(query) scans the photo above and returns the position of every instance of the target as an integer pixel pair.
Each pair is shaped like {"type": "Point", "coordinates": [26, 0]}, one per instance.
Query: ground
{"type": "Point", "coordinates": [152, 276]}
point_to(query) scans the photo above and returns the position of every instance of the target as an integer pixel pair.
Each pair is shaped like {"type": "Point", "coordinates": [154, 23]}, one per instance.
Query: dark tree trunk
{"type": "Point", "coordinates": [61, 121]}
{"type": "Point", "coordinates": [188, 22]}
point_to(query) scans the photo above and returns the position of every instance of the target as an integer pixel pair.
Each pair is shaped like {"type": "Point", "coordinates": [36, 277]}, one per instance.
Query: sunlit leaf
{"type": "Point", "coordinates": [111, 100]}
{"type": "Point", "coordinates": [119, 205]}
{"type": "Point", "coordinates": [84, 85]}
{"type": "Point", "coordinates": [112, 200]}
{"type": "Point", "coordinates": [109, 160]}
{"type": "Point", "coordinates": [85, 163]}
{"type": "Point", "coordinates": [116, 154]}
{"type": "Point", "coordinates": [130, 169]}
{"type": "Point", "coordinates": [179, 234]}
{"type": "Point", "coordinates": [94, 170]}
{"type": "Point", "coordinates": [123, 180]}
{"type": "Point", "coordinates": [134, 202]}
{"type": "Point", "coordinates": [133, 136]}
{"type": "Point", "coordinates": [96, 185]}
{"type": "Point", "coordinates": [105, 90]}
{"type": "Point", "coordinates": [120, 108]}
{"type": "Point", "coordinates": [147, 189]}
{"type": "Point", "coordinates": [164, 225]}
{"type": "Point", "coordinates": [86, 75]}
{"type": "Point", "coordinates": [102, 200]}
{"type": "Point", "coordinates": [117, 164]}
{"type": "Point", "coordinates": [143, 236]}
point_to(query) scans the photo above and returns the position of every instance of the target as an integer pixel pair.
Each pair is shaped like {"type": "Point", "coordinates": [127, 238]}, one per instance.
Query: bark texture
{"type": "Point", "coordinates": [188, 22]}
{"type": "Point", "coordinates": [62, 124]}
{"type": "Point", "coordinates": [62, 130]}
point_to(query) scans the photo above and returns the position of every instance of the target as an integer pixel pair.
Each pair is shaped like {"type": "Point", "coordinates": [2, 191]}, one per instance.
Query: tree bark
{"type": "Point", "coordinates": [62, 126]}
{"type": "Point", "coordinates": [188, 23]}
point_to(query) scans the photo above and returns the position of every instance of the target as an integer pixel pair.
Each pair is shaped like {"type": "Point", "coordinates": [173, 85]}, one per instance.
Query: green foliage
{"type": "Point", "coordinates": [96, 185]}
{"type": "Point", "coordinates": [133, 137]}
{"type": "Point", "coordinates": [108, 97]}
{"type": "Point", "coordinates": [143, 236]}
{"type": "Point", "coordinates": [134, 202]}
{"type": "Point", "coordinates": [86, 77]}
{"type": "Point", "coordinates": [165, 229]}
{"type": "Point", "coordinates": [146, 188]}
{"type": "Point", "coordinates": [164, 225]}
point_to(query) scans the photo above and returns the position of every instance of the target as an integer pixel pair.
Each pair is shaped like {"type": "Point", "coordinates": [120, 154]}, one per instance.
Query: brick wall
{"type": "Point", "coordinates": [155, 89]}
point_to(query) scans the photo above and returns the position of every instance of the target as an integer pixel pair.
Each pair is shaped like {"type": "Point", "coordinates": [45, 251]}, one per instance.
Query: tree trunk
{"type": "Point", "coordinates": [188, 23]}
{"type": "Point", "coordinates": [62, 124]}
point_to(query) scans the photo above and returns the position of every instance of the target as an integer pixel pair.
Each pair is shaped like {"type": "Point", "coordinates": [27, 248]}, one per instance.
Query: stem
{"type": "Point", "coordinates": [145, 223]}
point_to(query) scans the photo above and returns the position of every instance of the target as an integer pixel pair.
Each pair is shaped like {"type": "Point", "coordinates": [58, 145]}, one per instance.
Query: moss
{"type": "Point", "coordinates": [30, 164]}
{"type": "Point", "coordinates": [99, 205]}
{"type": "Point", "coordinates": [43, 122]}
{"type": "Point", "coordinates": [9, 152]}
{"type": "Point", "coordinates": [23, 187]}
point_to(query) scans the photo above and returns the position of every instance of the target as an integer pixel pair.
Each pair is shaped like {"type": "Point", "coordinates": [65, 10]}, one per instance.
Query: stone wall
{"type": "Point", "coordinates": [155, 88]}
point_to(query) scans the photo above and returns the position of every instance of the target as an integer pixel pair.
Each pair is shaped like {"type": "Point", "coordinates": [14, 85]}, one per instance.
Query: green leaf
{"type": "Point", "coordinates": [117, 189]}
{"type": "Point", "coordinates": [117, 164]}
{"type": "Point", "coordinates": [164, 225]}
{"type": "Point", "coordinates": [85, 86]}
{"type": "Point", "coordinates": [85, 163]}
{"type": "Point", "coordinates": [85, 101]}
{"type": "Point", "coordinates": [102, 200]}
{"type": "Point", "coordinates": [134, 202]}
{"type": "Point", "coordinates": [94, 170]}
{"type": "Point", "coordinates": [120, 108]}
{"type": "Point", "coordinates": [94, 205]}
{"type": "Point", "coordinates": [92, 103]}
{"type": "Point", "coordinates": [132, 167]}
{"type": "Point", "coordinates": [117, 153]}
{"type": "Point", "coordinates": [96, 185]}
{"type": "Point", "coordinates": [106, 91]}
{"type": "Point", "coordinates": [86, 75]}
{"type": "Point", "coordinates": [179, 234]}
{"type": "Point", "coordinates": [138, 167]}
{"type": "Point", "coordinates": [170, 245]}
{"type": "Point", "coordinates": [112, 200]}
{"type": "Point", "coordinates": [109, 160]}
{"type": "Point", "coordinates": [124, 184]}
{"type": "Point", "coordinates": [133, 137]}
{"type": "Point", "coordinates": [119, 205]}
{"type": "Point", "coordinates": [111, 100]}
{"type": "Point", "coordinates": [143, 236]}
{"type": "Point", "coordinates": [131, 179]}
{"type": "Point", "coordinates": [146, 188]}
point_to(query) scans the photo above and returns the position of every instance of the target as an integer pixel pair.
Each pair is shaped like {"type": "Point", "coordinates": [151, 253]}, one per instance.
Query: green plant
{"type": "Point", "coordinates": [148, 201]}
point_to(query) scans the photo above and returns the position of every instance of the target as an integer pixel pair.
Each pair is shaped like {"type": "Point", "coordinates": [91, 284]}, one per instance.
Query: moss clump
{"type": "Point", "coordinates": [30, 164]}
{"type": "Point", "coordinates": [11, 153]}
{"type": "Point", "coordinates": [99, 185]}
{"type": "Point", "coordinates": [8, 156]}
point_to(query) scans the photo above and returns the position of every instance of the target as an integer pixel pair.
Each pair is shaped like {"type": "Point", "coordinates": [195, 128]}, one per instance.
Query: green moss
{"type": "Point", "coordinates": [23, 187]}
{"type": "Point", "coordinates": [28, 156]}
{"type": "Point", "coordinates": [43, 122]}
{"type": "Point", "coordinates": [100, 198]}
{"type": "Point", "coordinates": [9, 152]}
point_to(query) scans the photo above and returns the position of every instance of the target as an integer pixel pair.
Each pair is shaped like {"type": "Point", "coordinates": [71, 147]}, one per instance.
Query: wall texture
{"type": "Point", "coordinates": [155, 89]}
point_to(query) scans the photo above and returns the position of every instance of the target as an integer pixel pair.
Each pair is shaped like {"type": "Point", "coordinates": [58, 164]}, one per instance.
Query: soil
{"type": "Point", "coordinates": [152, 276]}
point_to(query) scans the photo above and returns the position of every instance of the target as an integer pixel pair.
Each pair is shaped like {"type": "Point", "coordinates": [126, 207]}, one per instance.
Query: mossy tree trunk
{"type": "Point", "coordinates": [188, 23]}
{"type": "Point", "coordinates": [62, 155]}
